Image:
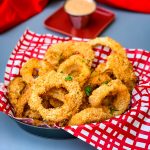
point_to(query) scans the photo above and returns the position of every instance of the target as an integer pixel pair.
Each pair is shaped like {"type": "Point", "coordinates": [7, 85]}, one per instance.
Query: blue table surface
{"type": "Point", "coordinates": [130, 28]}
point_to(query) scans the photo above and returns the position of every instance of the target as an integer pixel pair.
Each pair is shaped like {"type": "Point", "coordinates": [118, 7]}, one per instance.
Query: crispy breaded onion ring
{"type": "Point", "coordinates": [117, 62]}
{"type": "Point", "coordinates": [18, 94]}
{"type": "Point", "coordinates": [108, 42]}
{"type": "Point", "coordinates": [122, 69]}
{"type": "Point", "coordinates": [71, 102]}
{"type": "Point", "coordinates": [34, 68]}
{"type": "Point", "coordinates": [54, 54]}
{"type": "Point", "coordinates": [22, 101]}
{"type": "Point", "coordinates": [85, 50]}
{"type": "Point", "coordinates": [120, 97]}
{"type": "Point", "coordinates": [15, 89]}
{"type": "Point", "coordinates": [99, 76]}
{"type": "Point", "coordinates": [88, 115]}
{"type": "Point", "coordinates": [76, 67]}
{"type": "Point", "coordinates": [57, 53]}
{"type": "Point", "coordinates": [23, 109]}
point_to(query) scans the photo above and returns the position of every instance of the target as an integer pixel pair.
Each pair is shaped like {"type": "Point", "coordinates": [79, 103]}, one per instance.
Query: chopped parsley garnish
{"type": "Point", "coordinates": [112, 110]}
{"type": "Point", "coordinates": [68, 78]}
{"type": "Point", "coordinates": [88, 90]}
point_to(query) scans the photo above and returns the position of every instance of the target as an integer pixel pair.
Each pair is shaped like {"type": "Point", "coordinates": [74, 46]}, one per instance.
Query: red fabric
{"type": "Point", "coordinates": [13, 12]}
{"type": "Point", "coordinates": [134, 5]}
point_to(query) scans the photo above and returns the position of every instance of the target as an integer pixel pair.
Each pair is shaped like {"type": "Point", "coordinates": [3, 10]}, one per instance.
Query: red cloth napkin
{"type": "Point", "coordinates": [134, 5]}
{"type": "Point", "coordinates": [13, 12]}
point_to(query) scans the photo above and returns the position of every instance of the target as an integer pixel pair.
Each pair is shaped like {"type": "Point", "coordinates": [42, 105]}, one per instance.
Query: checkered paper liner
{"type": "Point", "coordinates": [130, 130]}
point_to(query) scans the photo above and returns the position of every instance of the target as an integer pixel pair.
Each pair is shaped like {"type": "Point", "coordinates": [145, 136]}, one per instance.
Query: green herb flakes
{"type": "Point", "coordinates": [88, 90]}
{"type": "Point", "coordinates": [112, 110]}
{"type": "Point", "coordinates": [68, 78]}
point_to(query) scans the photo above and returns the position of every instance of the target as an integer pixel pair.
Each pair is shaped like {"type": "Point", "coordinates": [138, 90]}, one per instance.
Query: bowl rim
{"type": "Point", "coordinates": [38, 127]}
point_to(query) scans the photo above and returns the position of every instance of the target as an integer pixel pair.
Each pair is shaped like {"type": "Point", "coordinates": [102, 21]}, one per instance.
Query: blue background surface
{"type": "Point", "coordinates": [130, 28]}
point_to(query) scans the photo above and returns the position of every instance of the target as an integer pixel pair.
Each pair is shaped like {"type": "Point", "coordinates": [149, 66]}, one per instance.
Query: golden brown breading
{"type": "Point", "coordinates": [122, 69]}
{"type": "Point", "coordinates": [99, 76]}
{"type": "Point", "coordinates": [15, 89]}
{"type": "Point", "coordinates": [32, 114]}
{"type": "Point", "coordinates": [34, 68]}
{"type": "Point", "coordinates": [76, 67]}
{"type": "Point", "coordinates": [72, 101]}
{"type": "Point", "coordinates": [22, 102]}
{"type": "Point", "coordinates": [88, 115]}
{"type": "Point", "coordinates": [57, 53]}
{"type": "Point", "coordinates": [108, 42]}
{"type": "Point", "coordinates": [113, 95]}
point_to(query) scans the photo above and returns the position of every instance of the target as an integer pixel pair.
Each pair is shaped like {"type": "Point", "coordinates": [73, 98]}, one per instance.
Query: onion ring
{"type": "Point", "coordinates": [108, 42]}
{"type": "Point", "coordinates": [57, 53]}
{"type": "Point", "coordinates": [72, 101]}
{"type": "Point", "coordinates": [77, 68]}
{"type": "Point", "coordinates": [88, 115]}
{"type": "Point", "coordinates": [18, 95]}
{"type": "Point", "coordinates": [99, 76]}
{"type": "Point", "coordinates": [24, 110]}
{"type": "Point", "coordinates": [125, 72]}
{"type": "Point", "coordinates": [117, 59]}
{"type": "Point", "coordinates": [15, 89]}
{"type": "Point", "coordinates": [22, 102]}
{"type": "Point", "coordinates": [34, 68]}
{"type": "Point", "coordinates": [120, 97]}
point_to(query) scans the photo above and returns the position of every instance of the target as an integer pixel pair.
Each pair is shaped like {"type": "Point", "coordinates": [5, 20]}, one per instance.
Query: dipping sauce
{"type": "Point", "coordinates": [80, 7]}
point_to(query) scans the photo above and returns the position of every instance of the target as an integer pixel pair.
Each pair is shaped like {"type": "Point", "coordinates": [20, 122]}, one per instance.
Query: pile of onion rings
{"type": "Point", "coordinates": [64, 89]}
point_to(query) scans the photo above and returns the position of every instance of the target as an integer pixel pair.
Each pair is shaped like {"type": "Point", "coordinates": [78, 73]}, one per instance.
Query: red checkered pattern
{"type": "Point", "coordinates": [130, 130]}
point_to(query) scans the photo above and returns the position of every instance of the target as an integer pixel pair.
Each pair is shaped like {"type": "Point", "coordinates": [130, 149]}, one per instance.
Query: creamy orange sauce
{"type": "Point", "coordinates": [80, 7]}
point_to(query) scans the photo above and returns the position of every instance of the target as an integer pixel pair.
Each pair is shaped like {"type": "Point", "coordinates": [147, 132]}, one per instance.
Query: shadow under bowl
{"type": "Point", "coordinates": [54, 133]}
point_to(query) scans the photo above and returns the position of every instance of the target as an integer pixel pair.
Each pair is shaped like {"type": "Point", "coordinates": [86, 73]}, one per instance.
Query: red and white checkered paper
{"type": "Point", "coordinates": [130, 130]}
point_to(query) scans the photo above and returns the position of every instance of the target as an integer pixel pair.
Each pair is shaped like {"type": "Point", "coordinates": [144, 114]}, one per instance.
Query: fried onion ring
{"type": "Point", "coordinates": [77, 68]}
{"type": "Point", "coordinates": [24, 110]}
{"type": "Point", "coordinates": [122, 69]}
{"type": "Point", "coordinates": [108, 42]}
{"type": "Point", "coordinates": [88, 115]}
{"type": "Point", "coordinates": [15, 89]}
{"type": "Point", "coordinates": [117, 59]}
{"type": "Point", "coordinates": [57, 53]}
{"type": "Point", "coordinates": [99, 76]}
{"type": "Point", "coordinates": [18, 95]}
{"type": "Point", "coordinates": [34, 68]}
{"type": "Point", "coordinates": [120, 97]}
{"type": "Point", "coordinates": [22, 101]}
{"type": "Point", "coordinates": [72, 100]}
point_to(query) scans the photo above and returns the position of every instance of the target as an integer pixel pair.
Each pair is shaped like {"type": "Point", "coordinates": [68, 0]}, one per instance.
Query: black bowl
{"type": "Point", "coordinates": [54, 133]}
